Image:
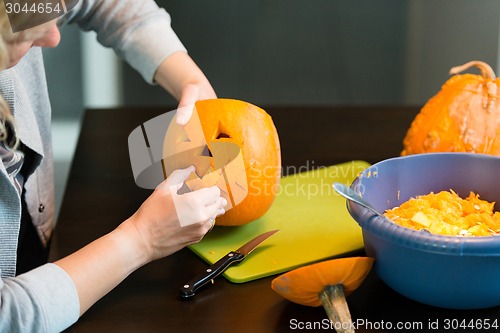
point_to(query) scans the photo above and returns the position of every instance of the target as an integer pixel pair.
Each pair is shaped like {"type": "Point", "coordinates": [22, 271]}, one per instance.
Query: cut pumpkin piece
{"type": "Point", "coordinates": [326, 283]}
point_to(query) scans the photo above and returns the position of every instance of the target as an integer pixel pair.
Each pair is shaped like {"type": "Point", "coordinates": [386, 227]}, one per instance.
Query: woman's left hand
{"type": "Point", "coordinates": [179, 75]}
{"type": "Point", "coordinates": [190, 94]}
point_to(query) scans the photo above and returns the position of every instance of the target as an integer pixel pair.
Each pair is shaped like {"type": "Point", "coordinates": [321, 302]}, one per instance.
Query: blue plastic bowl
{"type": "Point", "coordinates": [443, 271]}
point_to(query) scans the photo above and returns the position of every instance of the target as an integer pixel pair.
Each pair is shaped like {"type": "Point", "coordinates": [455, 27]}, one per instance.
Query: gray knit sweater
{"type": "Point", "coordinates": [45, 299]}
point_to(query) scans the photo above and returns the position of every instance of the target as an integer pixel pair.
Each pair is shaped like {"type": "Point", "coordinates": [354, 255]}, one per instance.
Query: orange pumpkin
{"type": "Point", "coordinates": [236, 148]}
{"type": "Point", "coordinates": [326, 283]}
{"type": "Point", "coordinates": [305, 284]}
{"type": "Point", "coordinates": [463, 117]}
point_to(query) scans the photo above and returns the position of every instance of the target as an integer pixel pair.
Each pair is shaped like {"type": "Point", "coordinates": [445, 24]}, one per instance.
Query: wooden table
{"type": "Point", "coordinates": [101, 193]}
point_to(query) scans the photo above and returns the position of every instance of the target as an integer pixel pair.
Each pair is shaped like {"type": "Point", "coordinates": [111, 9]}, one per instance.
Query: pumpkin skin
{"type": "Point", "coordinates": [304, 284]}
{"type": "Point", "coordinates": [250, 129]}
{"type": "Point", "coordinates": [463, 117]}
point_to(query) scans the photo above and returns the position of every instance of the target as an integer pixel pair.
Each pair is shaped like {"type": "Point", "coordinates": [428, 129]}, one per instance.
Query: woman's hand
{"type": "Point", "coordinates": [179, 75]}
{"type": "Point", "coordinates": [190, 94]}
{"type": "Point", "coordinates": [153, 232]}
{"type": "Point", "coordinates": [167, 221]}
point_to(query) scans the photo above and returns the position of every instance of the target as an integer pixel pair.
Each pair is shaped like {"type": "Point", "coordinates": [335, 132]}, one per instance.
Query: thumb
{"type": "Point", "coordinates": [185, 109]}
{"type": "Point", "coordinates": [190, 94]}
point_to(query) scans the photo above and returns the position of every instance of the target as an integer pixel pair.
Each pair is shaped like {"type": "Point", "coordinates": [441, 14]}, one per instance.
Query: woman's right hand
{"type": "Point", "coordinates": [151, 233]}
{"type": "Point", "coordinates": [158, 222]}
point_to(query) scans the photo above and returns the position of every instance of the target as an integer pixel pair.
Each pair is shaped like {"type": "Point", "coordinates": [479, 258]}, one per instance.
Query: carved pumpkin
{"type": "Point", "coordinates": [463, 117]}
{"type": "Point", "coordinates": [234, 145]}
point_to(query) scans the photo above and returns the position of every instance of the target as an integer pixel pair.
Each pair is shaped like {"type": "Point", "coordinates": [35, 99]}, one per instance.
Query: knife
{"type": "Point", "coordinates": [188, 290]}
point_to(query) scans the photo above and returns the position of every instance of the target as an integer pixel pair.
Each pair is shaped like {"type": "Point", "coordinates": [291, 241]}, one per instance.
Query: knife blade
{"type": "Point", "coordinates": [189, 289]}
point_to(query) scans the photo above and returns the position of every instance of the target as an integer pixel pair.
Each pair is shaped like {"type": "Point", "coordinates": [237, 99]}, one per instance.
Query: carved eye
{"type": "Point", "coordinates": [222, 131]}
{"type": "Point", "coordinates": [206, 152]}
{"type": "Point", "coordinates": [222, 135]}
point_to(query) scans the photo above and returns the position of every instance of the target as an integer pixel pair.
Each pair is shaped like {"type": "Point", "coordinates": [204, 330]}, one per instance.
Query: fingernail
{"type": "Point", "coordinates": [221, 211]}
{"type": "Point", "coordinates": [224, 202]}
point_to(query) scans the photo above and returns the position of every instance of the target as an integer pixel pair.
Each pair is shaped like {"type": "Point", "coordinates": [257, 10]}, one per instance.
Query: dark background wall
{"type": "Point", "coordinates": [289, 51]}
{"type": "Point", "coordinates": [301, 52]}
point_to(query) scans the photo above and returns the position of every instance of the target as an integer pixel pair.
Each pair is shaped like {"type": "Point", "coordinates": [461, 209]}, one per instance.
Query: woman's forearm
{"type": "Point", "coordinates": [151, 233]}
{"type": "Point", "coordinates": [101, 265]}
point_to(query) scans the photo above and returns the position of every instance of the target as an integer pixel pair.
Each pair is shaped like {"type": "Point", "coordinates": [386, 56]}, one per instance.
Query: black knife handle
{"type": "Point", "coordinates": [188, 290]}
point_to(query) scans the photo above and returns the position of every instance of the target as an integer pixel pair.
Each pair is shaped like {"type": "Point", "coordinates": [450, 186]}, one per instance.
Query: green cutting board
{"type": "Point", "coordinates": [313, 221]}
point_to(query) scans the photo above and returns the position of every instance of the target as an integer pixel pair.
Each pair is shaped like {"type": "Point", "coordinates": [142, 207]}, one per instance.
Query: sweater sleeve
{"type": "Point", "coordinates": [139, 31]}
{"type": "Point", "coordinates": [42, 300]}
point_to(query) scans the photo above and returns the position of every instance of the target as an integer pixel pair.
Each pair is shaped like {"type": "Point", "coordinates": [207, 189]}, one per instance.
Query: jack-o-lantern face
{"type": "Point", "coordinates": [217, 162]}
{"type": "Point", "coordinates": [232, 145]}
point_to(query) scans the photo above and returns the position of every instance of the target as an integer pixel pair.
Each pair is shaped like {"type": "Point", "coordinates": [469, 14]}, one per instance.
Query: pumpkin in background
{"type": "Point", "coordinates": [234, 145]}
{"type": "Point", "coordinates": [463, 117]}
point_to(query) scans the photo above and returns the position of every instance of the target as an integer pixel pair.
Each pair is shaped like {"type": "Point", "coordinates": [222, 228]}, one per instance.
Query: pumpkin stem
{"type": "Point", "coordinates": [336, 307]}
{"type": "Point", "coordinates": [489, 77]}
{"type": "Point", "coordinates": [486, 71]}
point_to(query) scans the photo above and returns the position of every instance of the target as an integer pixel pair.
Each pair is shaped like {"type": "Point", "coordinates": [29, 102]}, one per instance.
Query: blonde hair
{"type": "Point", "coordinates": [7, 37]}
{"type": "Point", "coordinates": [7, 122]}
